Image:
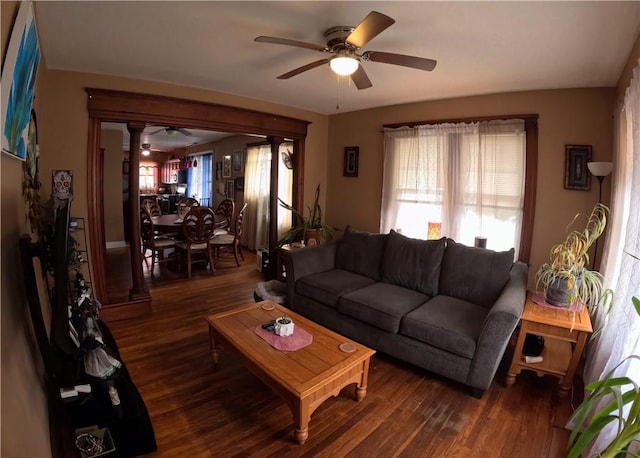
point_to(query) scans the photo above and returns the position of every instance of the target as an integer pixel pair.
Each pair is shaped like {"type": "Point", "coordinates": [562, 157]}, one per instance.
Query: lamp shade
{"type": "Point", "coordinates": [343, 65]}
{"type": "Point", "coordinates": [600, 169]}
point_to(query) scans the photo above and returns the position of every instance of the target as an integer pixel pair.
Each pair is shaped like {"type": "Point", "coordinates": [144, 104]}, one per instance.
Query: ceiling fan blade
{"type": "Point", "coordinates": [157, 131]}
{"type": "Point", "coordinates": [419, 63]}
{"type": "Point", "coordinates": [304, 68]}
{"type": "Point", "coordinates": [360, 78]}
{"type": "Point", "coordinates": [183, 131]}
{"type": "Point", "coordinates": [287, 42]}
{"type": "Point", "coordinates": [369, 28]}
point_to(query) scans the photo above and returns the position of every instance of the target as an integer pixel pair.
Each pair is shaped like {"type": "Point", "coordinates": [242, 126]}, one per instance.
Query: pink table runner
{"type": "Point", "coordinates": [299, 339]}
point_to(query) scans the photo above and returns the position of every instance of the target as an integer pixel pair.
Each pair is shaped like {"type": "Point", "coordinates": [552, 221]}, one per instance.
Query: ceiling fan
{"type": "Point", "coordinates": [344, 43]}
{"type": "Point", "coordinates": [173, 130]}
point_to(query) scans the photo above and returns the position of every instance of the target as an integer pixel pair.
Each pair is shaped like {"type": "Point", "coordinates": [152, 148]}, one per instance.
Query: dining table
{"type": "Point", "coordinates": [171, 222]}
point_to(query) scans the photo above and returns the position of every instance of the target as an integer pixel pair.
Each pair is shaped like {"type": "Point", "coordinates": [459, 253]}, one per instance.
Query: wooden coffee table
{"type": "Point", "coordinates": [304, 378]}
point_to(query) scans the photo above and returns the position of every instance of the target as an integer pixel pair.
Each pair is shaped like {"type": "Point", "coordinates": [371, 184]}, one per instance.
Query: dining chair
{"type": "Point", "coordinates": [197, 228]}
{"type": "Point", "coordinates": [226, 208]}
{"type": "Point", "coordinates": [231, 240]}
{"type": "Point", "coordinates": [189, 202]}
{"type": "Point", "coordinates": [152, 206]}
{"type": "Point", "coordinates": [150, 241]}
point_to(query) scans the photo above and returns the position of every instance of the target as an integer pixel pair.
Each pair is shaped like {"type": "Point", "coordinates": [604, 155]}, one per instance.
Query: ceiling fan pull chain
{"type": "Point", "coordinates": [338, 92]}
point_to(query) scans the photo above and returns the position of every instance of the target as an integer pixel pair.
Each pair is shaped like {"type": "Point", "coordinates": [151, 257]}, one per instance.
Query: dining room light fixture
{"type": "Point", "coordinates": [146, 149]}
{"type": "Point", "coordinates": [344, 64]}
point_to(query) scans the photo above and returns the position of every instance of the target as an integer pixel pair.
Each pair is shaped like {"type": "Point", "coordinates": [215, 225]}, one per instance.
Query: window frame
{"type": "Point", "coordinates": [531, 169]}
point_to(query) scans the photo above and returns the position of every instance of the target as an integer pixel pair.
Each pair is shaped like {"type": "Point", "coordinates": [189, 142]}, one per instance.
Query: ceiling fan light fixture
{"type": "Point", "coordinates": [146, 149]}
{"type": "Point", "coordinates": [344, 65]}
{"type": "Point", "coordinates": [171, 131]}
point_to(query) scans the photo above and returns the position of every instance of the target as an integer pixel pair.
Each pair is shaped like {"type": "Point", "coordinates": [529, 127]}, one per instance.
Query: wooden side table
{"type": "Point", "coordinates": [565, 334]}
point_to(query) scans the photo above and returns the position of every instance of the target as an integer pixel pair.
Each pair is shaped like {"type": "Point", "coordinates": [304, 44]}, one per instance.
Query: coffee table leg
{"type": "Point", "coordinates": [361, 388]}
{"type": "Point", "coordinates": [214, 346]}
{"type": "Point", "coordinates": [301, 417]}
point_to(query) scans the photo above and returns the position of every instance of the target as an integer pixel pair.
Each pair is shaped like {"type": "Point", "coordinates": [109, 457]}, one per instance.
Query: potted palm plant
{"type": "Point", "coordinates": [566, 278]}
{"type": "Point", "coordinates": [620, 394]}
{"type": "Point", "coordinates": [307, 228]}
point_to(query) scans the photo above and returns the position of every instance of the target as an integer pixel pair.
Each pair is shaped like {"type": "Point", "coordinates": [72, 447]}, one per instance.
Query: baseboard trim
{"type": "Point", "coordinates": [117, 244]}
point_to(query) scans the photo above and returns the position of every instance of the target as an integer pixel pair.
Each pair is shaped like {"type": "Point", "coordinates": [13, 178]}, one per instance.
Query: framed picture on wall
{"type": "Point", "coordinates": [230, 189]}
{"type": "Point", "coordinates": [226, 166]}
{"type": "Point", "coordinates": [238, 161]}
{"type": "Point", "coordinates": [218, 170]}
{"type": "Point", "coordinates": [351, 157]}
{"type": "Point", "coordinates": [576, 174]}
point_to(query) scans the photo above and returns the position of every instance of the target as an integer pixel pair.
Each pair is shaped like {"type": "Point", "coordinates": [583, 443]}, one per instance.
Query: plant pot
{"type": "Point", "coordinates": [313, 236]}
{"type": "Point", "coordinates": [283, 326]}
{"type": "Point", "coordinates": [560, 294]}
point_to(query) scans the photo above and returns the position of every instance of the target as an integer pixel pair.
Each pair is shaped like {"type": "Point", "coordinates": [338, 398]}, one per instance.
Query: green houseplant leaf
{"type": "Point", "coordinates": [619, 393]}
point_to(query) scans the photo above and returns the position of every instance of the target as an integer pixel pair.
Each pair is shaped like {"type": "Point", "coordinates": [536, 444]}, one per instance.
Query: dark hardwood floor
{"type": "Point", "coordinates": [407, 412]}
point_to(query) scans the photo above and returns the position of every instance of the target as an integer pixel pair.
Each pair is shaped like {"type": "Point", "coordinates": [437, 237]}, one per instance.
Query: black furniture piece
{"type": "Point", "coordinates": [128, 422]}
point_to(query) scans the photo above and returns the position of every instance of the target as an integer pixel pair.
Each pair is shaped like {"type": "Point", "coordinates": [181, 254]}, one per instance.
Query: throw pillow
{"type": "Point", "coordinates": [476, 275]}
{"type": "Point", "coordinates": [360, 252]}
{"type": "Point", "coordinates": [413, 263]}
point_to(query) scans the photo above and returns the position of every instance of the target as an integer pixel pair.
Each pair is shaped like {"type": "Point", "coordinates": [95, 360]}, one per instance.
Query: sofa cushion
{"type": "Point", "coordinates": [360, 252]}
{"type": "Point", "coordinates": [447, 323]}
{"type": "Point", "coordinates": [381, 305]}
{"type": "Point", "coordinates": [328, 286]}
{"type": "Point", "coordinates": [476, 275]}
{"type": "Point", "coordinates": [413, 263]}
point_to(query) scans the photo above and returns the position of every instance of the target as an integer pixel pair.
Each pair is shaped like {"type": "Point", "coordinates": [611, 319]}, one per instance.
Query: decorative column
{"type": "Point", "coordinates": [273, 207]}
{"type": "Point", "coordinates": [138, 289]}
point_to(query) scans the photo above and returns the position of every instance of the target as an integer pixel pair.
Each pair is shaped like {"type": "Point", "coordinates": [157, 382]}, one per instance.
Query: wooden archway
{"type": "Point", "coordinates": [136, 110]}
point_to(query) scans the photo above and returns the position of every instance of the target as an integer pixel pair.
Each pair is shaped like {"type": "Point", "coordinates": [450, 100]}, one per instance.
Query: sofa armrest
{"type": "Point", "coordinates": [498, 326]}
{"type": "Point", "coordinates": [306, 261]}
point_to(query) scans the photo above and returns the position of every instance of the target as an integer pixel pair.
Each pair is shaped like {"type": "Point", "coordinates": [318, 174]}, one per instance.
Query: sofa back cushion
{"type": "Point", "coordinates": [476, 275]}
{"type": "Point", "coordinates": [360, 252]}
{"type": "Point", "coordinates": [413, 263]}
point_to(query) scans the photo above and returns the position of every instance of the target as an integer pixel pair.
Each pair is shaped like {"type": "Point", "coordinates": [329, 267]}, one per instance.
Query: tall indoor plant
{"type": "Point", "coordinates": [309, 227]}
{"type": "Point", "coordinates": [567, 278]}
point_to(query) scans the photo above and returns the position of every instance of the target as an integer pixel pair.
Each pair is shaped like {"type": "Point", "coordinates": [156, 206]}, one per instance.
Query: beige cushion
{"type": "Point", "coordinates": [220, 231]}
{"type": "Point", "coordinates": [222, 239]}
{"type": "Point", "coordinates": [163, 242]}
{"type": "Point", "coordinates": [195, 246]}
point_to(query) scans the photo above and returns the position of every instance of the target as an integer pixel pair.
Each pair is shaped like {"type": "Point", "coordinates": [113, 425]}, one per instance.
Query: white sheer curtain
{"type": "Point", "coordinates": [257, 191]}
{"type": "Point", "coordinates": [469, 177]}
{"type": "Point", "coordinates": [620, 336]}
{"type": "Point", "coordinates": [285, 189]}
{"type": "Point", "coordinates": [256, 195]}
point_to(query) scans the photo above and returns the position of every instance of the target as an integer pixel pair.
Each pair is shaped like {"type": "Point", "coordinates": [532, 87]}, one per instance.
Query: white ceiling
{"type": "Point", "coordinates": [481, 47]}
{"type": "Point", "coordinates": [160, 140]}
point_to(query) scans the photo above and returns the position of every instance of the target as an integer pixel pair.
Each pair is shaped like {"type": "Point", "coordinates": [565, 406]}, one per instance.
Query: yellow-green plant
{"type": "Point", "coordinates": [569, 261]}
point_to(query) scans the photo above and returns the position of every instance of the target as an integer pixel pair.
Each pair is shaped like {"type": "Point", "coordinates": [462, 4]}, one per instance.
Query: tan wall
{"type": "Point", "coordinates": [111, 141]}
{"type": "Point", "coordinates": [574, 116]}
{"type": "Point", "coordinates": [24, 423]}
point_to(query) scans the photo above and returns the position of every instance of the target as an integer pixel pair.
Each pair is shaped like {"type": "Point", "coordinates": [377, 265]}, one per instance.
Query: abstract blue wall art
{"type": "Point", "coordinates": [18, 82]}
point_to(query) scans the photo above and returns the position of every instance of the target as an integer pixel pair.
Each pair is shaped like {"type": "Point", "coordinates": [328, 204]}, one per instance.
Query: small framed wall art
{"type": "Point", "coordinates": [218, 170]}
{"type": "Point", "coordinates": [238, 161]}
{"type": "Point", "coordinates": [576, 174]}
{"type": "Point", "coordinates": [351, 157]}
{"type": "Point", "coordinates": [226, 166]}
{"type": "Point", "coordinates": [229, 191]}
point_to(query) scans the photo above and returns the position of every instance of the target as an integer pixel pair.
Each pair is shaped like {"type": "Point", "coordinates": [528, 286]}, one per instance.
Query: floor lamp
{"type": "Point", "coordinates": [599, 170]}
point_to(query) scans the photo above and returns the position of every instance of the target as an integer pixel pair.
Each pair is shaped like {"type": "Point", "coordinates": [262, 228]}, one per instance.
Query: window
{"type": "Point", "coordinates": [199, 176]}
{"type": "Point", "coordinates": [148, 177]}
{"type": "Point", "coordinates": [468, 176]}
